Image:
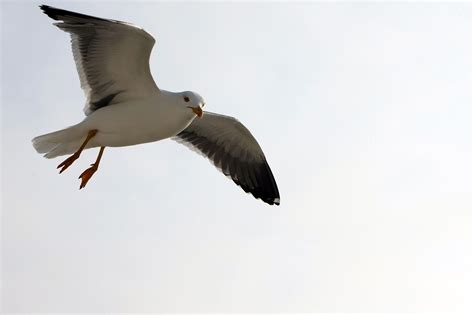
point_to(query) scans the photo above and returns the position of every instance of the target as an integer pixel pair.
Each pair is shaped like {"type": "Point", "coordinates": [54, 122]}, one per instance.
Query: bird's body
{"type": "Point", "coordinates": [139, 121]}
{"type": "Point", "coordinates": [126, 123]}
{"type": "Point", "coordinates": [124, 107]}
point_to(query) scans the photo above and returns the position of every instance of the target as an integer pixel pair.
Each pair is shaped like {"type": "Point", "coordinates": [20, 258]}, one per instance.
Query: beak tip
{"type": "Point", "coordinates": [198, 111]}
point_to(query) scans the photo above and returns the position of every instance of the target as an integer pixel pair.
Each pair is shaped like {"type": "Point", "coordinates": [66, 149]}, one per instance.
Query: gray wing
{"type": "Point", "coordinates": [234, 151]}
{"type": "Point", "coordinates": [112, 57]}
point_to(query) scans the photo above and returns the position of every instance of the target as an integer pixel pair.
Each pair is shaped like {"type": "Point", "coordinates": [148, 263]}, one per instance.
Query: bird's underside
{"type": "Point", "coordinates": [100, 47]}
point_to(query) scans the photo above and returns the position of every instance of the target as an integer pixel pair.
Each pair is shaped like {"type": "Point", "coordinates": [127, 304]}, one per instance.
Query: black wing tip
{"type": "Point", "coordinates": [272, 202]}
{"type": "Point", "coordinates": [269, 191]}
{"type": "Point", "coordinates": [52, 12]}
{"type": "Point", "coordinates": [59, 14]}
{"type": "Point", "coordinates": [265, 188]}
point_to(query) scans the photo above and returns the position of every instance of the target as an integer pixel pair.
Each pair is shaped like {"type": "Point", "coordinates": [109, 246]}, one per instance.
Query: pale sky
{"type": "Point", "coordinates": [363, 111]}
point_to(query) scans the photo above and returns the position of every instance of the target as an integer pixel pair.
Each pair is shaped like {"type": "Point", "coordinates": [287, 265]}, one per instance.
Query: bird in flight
{"type": "Point", "coordinates": [125, 107]}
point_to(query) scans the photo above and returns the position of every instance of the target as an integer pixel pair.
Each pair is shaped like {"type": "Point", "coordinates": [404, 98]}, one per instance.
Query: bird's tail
{"type": "Point", "coordinates": [61, 142]}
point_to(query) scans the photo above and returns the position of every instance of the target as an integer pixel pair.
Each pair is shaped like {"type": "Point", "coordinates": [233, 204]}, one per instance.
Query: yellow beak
{"type": "Point", "coordinates": [197, 110]}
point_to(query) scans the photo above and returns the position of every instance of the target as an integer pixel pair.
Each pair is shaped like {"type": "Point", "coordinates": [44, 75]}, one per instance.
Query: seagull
{"type": "Point", "coordinates": [125, 107]}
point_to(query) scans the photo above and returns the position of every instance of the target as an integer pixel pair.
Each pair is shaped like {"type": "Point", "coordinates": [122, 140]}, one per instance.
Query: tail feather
{"type": "Point", "coordinates": [60, 142]}
{"type": "Point", "coordinates": [63, 149]}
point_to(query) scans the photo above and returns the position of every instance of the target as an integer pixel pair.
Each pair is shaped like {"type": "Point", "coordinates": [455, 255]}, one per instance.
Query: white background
{"type": "Point", "coordinates": [363, 111]}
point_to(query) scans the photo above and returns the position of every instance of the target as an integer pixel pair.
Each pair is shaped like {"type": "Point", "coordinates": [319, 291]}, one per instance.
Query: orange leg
{"type": "Point", "coordinates": [66, 163]}
{"type": "Point", "coordinates": [87, 174]}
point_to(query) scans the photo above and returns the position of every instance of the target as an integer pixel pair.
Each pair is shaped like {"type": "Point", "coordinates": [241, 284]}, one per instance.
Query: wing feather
{"type": "Point", "coordinates": [230, 146]}
{"type": "Point", "coordinates": [112, 57]}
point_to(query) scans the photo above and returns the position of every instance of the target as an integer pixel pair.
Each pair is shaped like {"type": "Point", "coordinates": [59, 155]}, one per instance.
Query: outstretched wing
{"type": "Point", "coordinates": [112, 57]}
{"type": "Point", "coordinates": [234, 151]}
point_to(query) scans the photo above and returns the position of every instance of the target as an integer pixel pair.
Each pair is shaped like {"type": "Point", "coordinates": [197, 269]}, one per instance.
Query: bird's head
{"type": "Point", "coordinates": [194, 102]}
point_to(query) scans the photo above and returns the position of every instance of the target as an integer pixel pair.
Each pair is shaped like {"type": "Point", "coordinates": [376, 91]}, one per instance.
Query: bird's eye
{"type": "Point", "coordinates": [186, 99]}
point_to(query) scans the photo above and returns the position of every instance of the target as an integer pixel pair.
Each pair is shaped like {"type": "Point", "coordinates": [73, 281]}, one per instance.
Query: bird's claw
{"type": "Point", "coordinates": [67, 162]}
{"type": "Point", "coordinates": [86, 175]}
